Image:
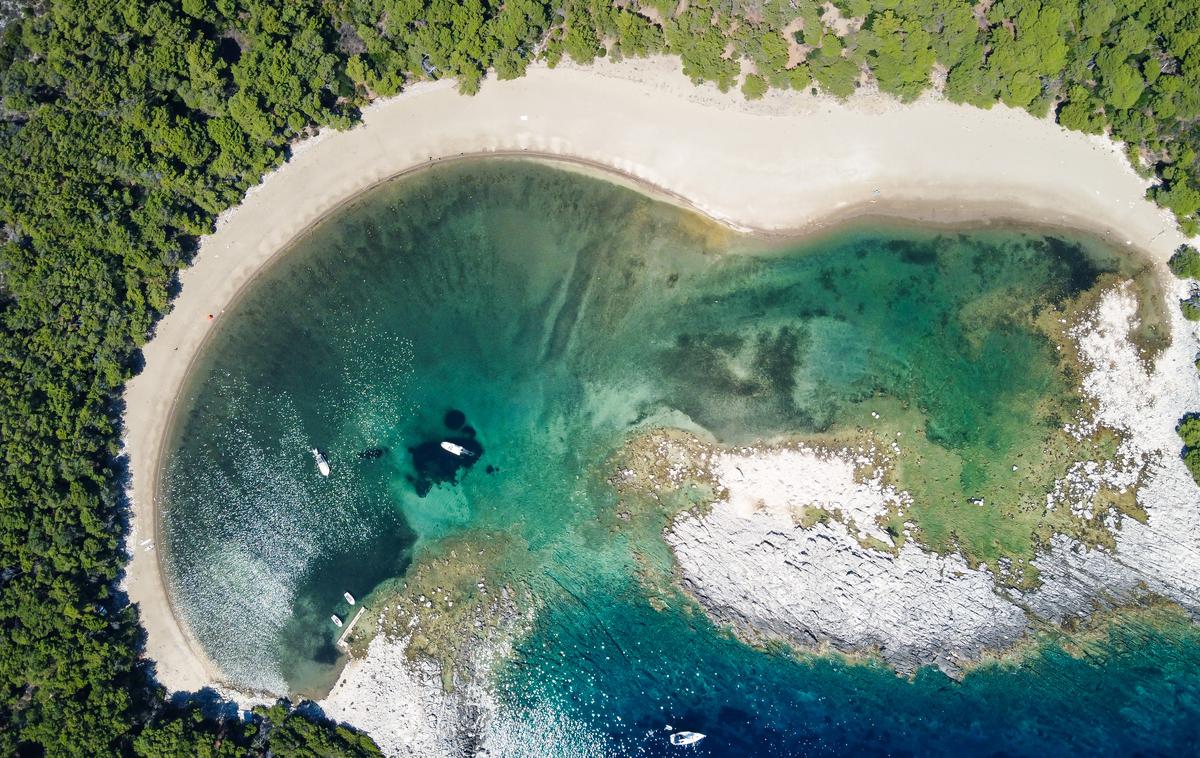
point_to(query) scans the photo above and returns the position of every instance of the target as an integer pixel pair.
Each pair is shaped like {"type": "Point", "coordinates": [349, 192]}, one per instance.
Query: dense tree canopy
{"type": "Point", "coordinates": [126, 126]}
{"type": "Point", "coordinates": [1130, 67]}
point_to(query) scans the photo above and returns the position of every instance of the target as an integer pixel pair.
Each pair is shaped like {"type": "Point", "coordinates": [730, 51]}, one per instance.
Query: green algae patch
{"type": "Point", "coordinates": [452, 602]}
{"type": "Point", "coordinates": [811, 515]}
{"type": "Point", "coordinates": [999, 502]}
{"type": "Point", "coordinates": [1004, 524]}
{"type": "Point", "coordinates": [667, 471]}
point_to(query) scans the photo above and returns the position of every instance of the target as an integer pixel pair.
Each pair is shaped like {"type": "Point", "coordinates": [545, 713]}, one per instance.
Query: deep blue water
{"type": "Point", "coordinates": [1133, 690]}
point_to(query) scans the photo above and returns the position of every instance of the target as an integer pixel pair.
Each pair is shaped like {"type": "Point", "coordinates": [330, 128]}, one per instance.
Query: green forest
{"type": "Point", "coordinates": [127, 126]}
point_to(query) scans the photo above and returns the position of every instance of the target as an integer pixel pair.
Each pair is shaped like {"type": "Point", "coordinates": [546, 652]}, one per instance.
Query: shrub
{"type": "Point", "coordinates": [1189, 431]}
{"type": "Point", "coordinates": [1191, 308]}
{"type": "Point", "coordinates": [1191, 459]}
{"type": "Point", "coordinates": [754, 87]}
{"type": "Point", "coordinates": [1185, 263]}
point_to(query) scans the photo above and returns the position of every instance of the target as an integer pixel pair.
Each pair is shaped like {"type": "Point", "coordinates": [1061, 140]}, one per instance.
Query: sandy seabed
{"type": "Point", "coordinates": [790, 163]}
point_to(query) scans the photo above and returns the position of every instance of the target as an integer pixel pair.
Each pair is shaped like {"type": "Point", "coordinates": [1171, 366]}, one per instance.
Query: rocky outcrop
{"type": "Point", "coordinates": [1162, 554]}
{"type": "Point", "coordinates": [1078, 580]}
{"type": "Point", "coordinates": [819, 586]}
{"type": "Point", "coordinates": [403, 705]}
{"type": "Point", "coordinates": [751, 563]}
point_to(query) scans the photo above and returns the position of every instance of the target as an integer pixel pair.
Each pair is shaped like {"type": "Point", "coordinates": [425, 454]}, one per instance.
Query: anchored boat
{"type": "Point", "coordinates": [337, 620]}
{"type": "Point", "coordinates": [454, 449]}
{"type": "Point", "coordinates": [322, 464]}
{"type": "Point", "coordinates": [349, 597]}
{"type": "Point", "coordinates": [686, 738]}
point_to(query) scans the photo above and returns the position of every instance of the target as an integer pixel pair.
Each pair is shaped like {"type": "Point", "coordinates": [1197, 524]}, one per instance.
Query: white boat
{"type": "Point", "coordinates": [322, 464]}
{"type": "Point", "coordinates": [454, 449]}
{"type": "Point", "coordinates": [337, 620]}
{"type": "Point", "coordinates": [349, 597]}
{"type": "Point", "coordinates": [686, 738]}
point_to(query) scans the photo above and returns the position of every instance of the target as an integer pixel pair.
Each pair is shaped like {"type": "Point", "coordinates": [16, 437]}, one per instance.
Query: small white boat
{"type": "Point", "coordinates": [337, 620]}
{"type": "Point", "coordinates": [349, 597]}
{"type": "Point", "coordinates": [322, 464]}
{"type": "Point", "coordinates": [454, 449]}
{"type": "Point", "coordinates": [686, 738]}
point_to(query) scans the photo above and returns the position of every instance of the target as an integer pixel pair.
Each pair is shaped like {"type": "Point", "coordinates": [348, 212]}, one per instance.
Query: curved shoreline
{"type": "Point", "coordinates": [790, 164]}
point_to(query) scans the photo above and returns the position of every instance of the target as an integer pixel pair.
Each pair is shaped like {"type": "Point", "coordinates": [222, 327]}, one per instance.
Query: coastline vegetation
{"type": "Point", "coordinates": [1185, 264]}
{"type": "Point", "coordinates": [126, 127]}
{"type": "Point", "coordinates": [1189, 432]}
{"type": "Point", "coordinates": [277, 731]}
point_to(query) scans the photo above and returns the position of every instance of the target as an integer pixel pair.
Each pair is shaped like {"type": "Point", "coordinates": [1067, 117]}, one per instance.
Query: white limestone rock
{"type": "Point", "coordinates": [758, 569]}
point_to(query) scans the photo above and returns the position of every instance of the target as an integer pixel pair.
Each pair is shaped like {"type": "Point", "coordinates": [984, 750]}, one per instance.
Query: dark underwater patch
{"type": "Point", "coordinates": [433, 464]}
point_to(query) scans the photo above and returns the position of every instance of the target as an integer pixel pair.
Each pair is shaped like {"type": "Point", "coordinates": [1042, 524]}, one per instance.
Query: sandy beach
{"type": "Point", "coordinates": [788, 163]}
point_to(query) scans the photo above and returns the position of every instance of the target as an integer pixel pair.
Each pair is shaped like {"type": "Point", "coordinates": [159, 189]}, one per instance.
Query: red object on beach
{"type": "Point", "coordinates": [210, 317]}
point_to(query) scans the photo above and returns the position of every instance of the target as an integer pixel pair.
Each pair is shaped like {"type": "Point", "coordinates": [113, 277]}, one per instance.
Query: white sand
{"type": "Point", "coordinates": [788, 162]}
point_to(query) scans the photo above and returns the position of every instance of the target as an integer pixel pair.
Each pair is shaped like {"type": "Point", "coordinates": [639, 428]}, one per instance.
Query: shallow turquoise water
{"type": "Point", "coordinates": [558, 313]}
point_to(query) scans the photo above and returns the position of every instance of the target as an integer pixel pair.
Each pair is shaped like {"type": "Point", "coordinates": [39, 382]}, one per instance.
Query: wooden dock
{"type": "Point", "coordinates": [350, 627]}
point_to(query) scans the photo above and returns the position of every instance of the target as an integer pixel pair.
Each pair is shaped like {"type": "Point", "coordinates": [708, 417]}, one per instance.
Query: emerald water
{"type": "Point", "coordinates": [558, 315]}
